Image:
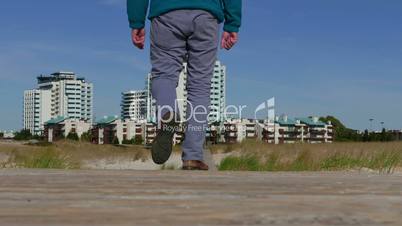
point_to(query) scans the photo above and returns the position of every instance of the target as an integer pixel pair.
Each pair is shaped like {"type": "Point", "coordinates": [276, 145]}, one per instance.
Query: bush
{"type": "Point", "coordinates": [138, 140]}
{"type": "Point", "coordinates": [115, 141]}
{"type": "Point", "coordinates": [127, 142]}
{"type": "Point", "coordinates": [73, 136]}
{"type": "Point", "coordinates": [24, 134]}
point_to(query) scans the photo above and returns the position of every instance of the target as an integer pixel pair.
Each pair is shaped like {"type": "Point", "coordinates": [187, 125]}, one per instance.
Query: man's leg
{"type": "Point", "coordinates": [202, 49]}
{"type": "Point", "coordinates": [168, 48]}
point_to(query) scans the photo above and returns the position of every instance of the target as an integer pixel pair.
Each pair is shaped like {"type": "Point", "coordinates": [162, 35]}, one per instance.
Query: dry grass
{"type": "Point", "coordinates": [257, 156]}
{"type": "Point", "coordinates": [249, 155]}
{"type": "Point", "coordinates": [64, 154]}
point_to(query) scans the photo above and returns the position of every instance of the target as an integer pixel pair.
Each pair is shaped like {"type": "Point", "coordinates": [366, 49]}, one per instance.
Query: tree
{"type": "Point", "coordinates": [24, 134]}
{"type": "Point", "coordinates": [341, 132]}
{"type": "Point", "coordinates": [1, 134]}
{"type": "Point", "coordinates": [72, 136]}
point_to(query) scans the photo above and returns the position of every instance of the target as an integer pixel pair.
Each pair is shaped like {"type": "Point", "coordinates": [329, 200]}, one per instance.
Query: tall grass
{"type": "Point", "coordinates": [254, 156]}
{"type": "Point", "coordinates": [64, 154]}
{"type": "Point", "coordinates": [46, 159]}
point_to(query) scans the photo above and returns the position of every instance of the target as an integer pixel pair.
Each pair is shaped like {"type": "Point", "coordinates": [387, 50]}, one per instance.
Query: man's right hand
{"type": "Point", "coordinates": [138, 37]}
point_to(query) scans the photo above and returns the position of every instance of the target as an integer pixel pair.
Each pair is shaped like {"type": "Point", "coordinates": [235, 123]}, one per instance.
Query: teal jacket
{"type": "Point", "coordinates": [228, 11]}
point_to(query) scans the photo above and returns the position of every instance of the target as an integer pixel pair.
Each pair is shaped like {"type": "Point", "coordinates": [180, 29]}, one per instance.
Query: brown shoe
{"type": "Point", "coordinates": [194, 165]}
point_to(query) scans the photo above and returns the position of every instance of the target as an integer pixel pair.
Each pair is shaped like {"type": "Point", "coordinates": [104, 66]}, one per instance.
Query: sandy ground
{"type": "Point", "coordinates": [174, 162]}
{"type": "Point", "coordinates": [113, 197]}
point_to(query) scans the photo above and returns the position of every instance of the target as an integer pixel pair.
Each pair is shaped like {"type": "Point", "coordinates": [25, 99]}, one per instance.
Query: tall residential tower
{"type": "Point", "coordinates": [61, 94]}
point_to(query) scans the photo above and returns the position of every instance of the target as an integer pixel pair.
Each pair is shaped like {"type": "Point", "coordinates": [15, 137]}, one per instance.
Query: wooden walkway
{"type": "Point", "coordinates": [49, 198]}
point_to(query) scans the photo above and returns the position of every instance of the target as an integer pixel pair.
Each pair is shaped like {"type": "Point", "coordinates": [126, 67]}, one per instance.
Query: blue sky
{"type": "Point", "coordinates": [317, 57]}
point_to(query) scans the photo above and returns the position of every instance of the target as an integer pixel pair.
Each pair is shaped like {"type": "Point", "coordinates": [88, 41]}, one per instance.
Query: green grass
{"type": "Point", "coordinates": [45, 159]}
{"type": "Point", "coordinates": [245, 163]}
{"type": "Point", "coordinates": [301, 157]}
{"type": "Point", "coordinates": [384, 162]}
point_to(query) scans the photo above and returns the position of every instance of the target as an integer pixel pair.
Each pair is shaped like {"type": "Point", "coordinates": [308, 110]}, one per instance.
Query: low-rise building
{"type": "Point", "coordinates": [230, 131]}
{"type": "Point", "coordinates": [237, 130]}
{"type": "Point", "coordinates": [150, 133]}
{"type": "Point", "coordinates": [60, 127]}
{"type": "Point", "coordinates": [108, 130]}
{"type": "Point", "coordinates": [285, 131]}
{"type": "Point", "coordinates": [114, 130]}
{"type": "Point", "coordinates": [133, 131]}
{"type": "Point", "coordinates": [266, 131]}
{"type": "Point", "coordinates": [214, 134]}
{"type": "Point", "coordinates": [316, 131]}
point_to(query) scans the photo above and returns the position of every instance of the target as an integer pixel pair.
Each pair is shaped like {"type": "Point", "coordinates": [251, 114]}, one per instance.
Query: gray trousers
{"type": "Point", "coordinates": [175, 35]}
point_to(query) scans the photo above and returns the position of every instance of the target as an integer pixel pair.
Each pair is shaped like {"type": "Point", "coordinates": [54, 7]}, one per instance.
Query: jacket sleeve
{"type": "Point", "coordinates": [233, 12]}
{"type": "Point", "coordinates": [137, 13]}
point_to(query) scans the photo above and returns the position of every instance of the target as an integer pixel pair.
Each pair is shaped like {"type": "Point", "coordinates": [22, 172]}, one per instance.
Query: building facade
{"type": "Point", "coordinates": [286, 131]}
{"type": "Point", "coordinates": [114, 130]}
{"type": "Point", "coordinates": [60, 94]}
{"type": "Point", "coordinates": [134, 105]}
{"type": "Point", "coordinates": [218, 94]}
{"type": "Point", "coordinates": [37, 110]}
{"type": "Point", "coordinates": [60, 127]}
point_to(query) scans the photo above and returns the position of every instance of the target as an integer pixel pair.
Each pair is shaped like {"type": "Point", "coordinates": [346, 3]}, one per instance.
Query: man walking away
{"type": "Point", "coordinates": [179, 29]}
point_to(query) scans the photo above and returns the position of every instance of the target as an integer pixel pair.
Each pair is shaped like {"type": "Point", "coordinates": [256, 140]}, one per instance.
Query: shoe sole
{"type": "Point", "coordinates": [162, 148]}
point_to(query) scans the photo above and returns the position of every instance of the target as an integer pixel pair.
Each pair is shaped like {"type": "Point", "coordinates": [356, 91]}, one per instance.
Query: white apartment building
{"type": "Point", "coordinates": [37, 110]}
{"type": "Point", "coordinates": [70, 96]}
{"type": "Point", "coordinates": [151, 102]}
{"type": "Point", "coordinates": [134, 105]}
{"type": "Point", "coordinates": [218, 93]}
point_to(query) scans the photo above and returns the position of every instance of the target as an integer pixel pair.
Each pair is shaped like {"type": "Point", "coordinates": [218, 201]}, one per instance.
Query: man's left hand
{"type": "Point", "coordinates": [229, 39]}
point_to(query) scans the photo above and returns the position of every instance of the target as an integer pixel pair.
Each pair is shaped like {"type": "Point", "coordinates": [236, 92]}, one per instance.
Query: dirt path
{"type": "Point", "coordinates": [44, 198]}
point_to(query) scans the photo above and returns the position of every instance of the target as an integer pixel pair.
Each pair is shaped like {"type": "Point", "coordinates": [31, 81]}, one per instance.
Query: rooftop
{"type": "Point", "coordinates": [56, 120]}
{"type": "Point", "coordinates": [58, 76]}
{"type": "Point", "coordinates": [107, 120]}
{"type": "Point", "coordinates": [285, 121]}
{"type": "Point", "coordinates": [312, 121]}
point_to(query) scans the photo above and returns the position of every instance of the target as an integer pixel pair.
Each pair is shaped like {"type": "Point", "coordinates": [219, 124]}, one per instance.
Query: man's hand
{"type": "Point", "coordinates": [138, 36]}
{"type": "Point", "coordinates": [229, 39]}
